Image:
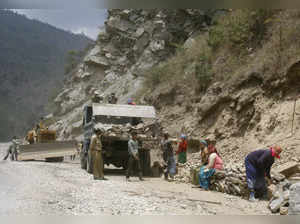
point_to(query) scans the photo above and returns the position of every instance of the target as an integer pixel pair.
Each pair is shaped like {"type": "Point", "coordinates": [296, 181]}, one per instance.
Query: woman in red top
{"type": "Point", "coordinates": [214, 163]}
{"type": "Point", "coordinates": [182, 148]}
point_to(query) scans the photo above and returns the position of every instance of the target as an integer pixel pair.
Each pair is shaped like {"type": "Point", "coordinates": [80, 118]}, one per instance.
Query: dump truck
{"type": "Point", "coordinates": [118, 121]}
{"type": "Point", "coordinates": [46, 147]}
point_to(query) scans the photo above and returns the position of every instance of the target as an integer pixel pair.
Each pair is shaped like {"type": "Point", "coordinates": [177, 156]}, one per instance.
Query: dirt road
{"type": "Point", "coordinates": [63, 188]}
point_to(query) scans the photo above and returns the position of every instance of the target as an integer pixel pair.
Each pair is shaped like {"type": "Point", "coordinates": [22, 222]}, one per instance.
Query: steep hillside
{"type": "Point", "coordinates": [32, 61]}
{"type": "Point", "coordinates": [132, 42]}
{"type": "Point", "coordinates": [227, 76]}
{"type": "Point", "coordinates": [236, 85]}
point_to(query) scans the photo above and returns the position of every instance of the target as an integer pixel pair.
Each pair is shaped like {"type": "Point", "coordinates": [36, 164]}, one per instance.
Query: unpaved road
{"type": "Point", "coordinates": [63, 188]}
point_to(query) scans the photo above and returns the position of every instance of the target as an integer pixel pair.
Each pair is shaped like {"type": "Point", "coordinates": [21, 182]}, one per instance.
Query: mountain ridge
{"type": "Point", "coordinates": [32, 62]}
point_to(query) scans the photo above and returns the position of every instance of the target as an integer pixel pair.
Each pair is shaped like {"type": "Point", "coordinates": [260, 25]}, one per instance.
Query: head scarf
{"type": "Point", "coordinates": [274, 154]}
{"type": "Point", "coordinates": [212, 149]}
{"type": "Point", "coordinates": [204, 142]}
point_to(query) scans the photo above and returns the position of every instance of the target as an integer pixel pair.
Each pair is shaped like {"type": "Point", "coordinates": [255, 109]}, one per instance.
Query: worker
{"type": "Point", "coordinates": [168, 157]}
{"type": "Point", "coordinates": [12, 150]}
{"type": "Point", "coordinates": [182, 148]}
{"type": "Point", "coordinates": [79, 147]}
{"type": "Point", "coordinates": [31, 136]}
{"type": "Point", "coordinates": [41, 124]}
{"type": "Point", "coordinates": [258, 166]}
{"type": "Point", "coordinates": [214, 163]}
{"type": "Point", "coordinates": [130, 102]}
{"type": "Point", "coordinates": [112, 99]}
{"type": "Point", "coordinates": [133, 149]}
{"type": "Point", "coordinates": [97, 97]}
{"type": "Point", "coordinates": [134, 120]}
{"type": "Point", "coordinates": [204, 151]}
{"type": "Point", "coordinates": [8, 152]}
{"type": "Point", "coordinates": [96, 152]}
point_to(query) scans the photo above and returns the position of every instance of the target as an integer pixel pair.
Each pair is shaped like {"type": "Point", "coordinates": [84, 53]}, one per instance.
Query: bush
{"type": "Point", "coordinates": [153, 77]}
{"type": "Point", "coordinates": [216, 37]}
{"type": "Point", "coordinates": [204, 72]}
{"type": "Point", "coordinates": [240, 29]}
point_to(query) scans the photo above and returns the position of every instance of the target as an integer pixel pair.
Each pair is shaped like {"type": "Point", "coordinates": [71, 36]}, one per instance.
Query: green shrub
{"type": "Point", "coordinates": [153, 77]}
{"type": "Point", "coordinates": [216, 37]}
{"type": "Point", "coordinates": [203, 72]}
{"type": "Point", "coordinates": [240, 29]}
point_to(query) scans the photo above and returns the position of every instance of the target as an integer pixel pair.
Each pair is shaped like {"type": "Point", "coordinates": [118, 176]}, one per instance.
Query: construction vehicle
{"type": "Point", "coordinates": [46, 147]}
{"type": "Point", "coordinates": [117, 121]}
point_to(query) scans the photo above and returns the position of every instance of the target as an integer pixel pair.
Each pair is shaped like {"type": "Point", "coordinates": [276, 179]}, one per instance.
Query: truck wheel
{"type": "Point", "coordinates": [147, 163]}
{"type": "Point", "coordinates": [83, 162]}
{"type": "Point", "coordinates": [59, 159]}
{"type": "Point", "coordinates": [89, 166]}
{"type": "Point", "coordinates": [125, 165]}
{"type": "Point", "coordinates": [55, 159]}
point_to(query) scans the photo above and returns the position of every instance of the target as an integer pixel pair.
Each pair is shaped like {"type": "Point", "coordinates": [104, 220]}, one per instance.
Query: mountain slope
{"type": "Point", "coordinates": [32, 61]}
{"type": "Point", "coordinates": [229, 77]}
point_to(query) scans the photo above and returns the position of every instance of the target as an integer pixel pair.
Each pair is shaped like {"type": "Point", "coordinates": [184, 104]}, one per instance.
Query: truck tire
{"type": "Point", "coordinates": [55, 159]}
{"type": "Point", "coordinates": [146, 163]}
{"type": "Point", "coordinates": [125, 165]}
{"type": "Point", "coordinates": [59, 159]}
{"type": "Point", "coordinates": [83, 162]}
{"type": "Point", "coordinates": [89, 166]}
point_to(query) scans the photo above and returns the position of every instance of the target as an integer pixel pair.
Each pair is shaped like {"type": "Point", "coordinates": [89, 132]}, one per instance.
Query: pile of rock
{"type": "Point", "coordinates": [233, 180]}
{"type": "Point", "coordinates": [285, 196]}
{"type": "Point", "coordinates": [286, 199]}
{"type": "Point", "coordinates": [144, 131]}
{"type": "Point", "coordinates": [280, 197]}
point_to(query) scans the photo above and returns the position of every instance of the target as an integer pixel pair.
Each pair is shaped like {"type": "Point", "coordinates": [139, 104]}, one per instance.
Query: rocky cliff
{"type": "Point", "coordinates": [246, 103]}
{"type": "Point", "coordinates": [132, 42]}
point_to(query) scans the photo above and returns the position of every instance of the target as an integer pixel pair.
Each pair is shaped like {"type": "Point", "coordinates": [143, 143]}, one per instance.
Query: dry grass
{"type": "Point", "coordinates": [242, 41]}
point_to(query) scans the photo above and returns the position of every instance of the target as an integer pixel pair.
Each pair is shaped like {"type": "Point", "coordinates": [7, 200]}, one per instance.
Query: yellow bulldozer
{"type": "Point", "coordinates": [42, 144]}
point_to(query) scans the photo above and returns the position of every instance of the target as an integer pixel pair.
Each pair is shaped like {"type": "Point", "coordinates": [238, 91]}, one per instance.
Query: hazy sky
{"type": "Point", "coordinates": [84, 20]}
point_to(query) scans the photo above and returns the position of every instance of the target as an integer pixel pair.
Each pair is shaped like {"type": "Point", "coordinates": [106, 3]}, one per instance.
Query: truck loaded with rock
{"type": "Point", "coordinates": [117, 122]}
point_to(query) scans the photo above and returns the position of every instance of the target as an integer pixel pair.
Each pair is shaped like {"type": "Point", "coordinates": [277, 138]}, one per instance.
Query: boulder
{"type": "Point", "coordinates": [284, 210]}
{"type": "Point", "coordinates": [294, 201]}
{"type": "Point", "coordinates": [271, 191]}
{"type": "Point", "coordinates": [96, 60]}
{"type": "Point", "coordinates": [288, 169]}
{"type": "Point", "coordinates": [278, 176]}
{"type": "Point", "coordinates": [276, 204]}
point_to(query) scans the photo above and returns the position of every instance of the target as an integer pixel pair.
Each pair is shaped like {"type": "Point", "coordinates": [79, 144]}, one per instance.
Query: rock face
{"type": "Point", "coordinates": [294, 208]}
{"type": "Point", "coordinates": [132, 42]}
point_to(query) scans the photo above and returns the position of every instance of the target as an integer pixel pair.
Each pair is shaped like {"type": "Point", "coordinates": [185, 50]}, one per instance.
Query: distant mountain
{"type": "Point", "coordinates": [33, 56]}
